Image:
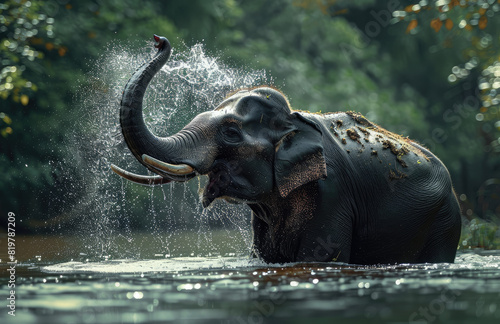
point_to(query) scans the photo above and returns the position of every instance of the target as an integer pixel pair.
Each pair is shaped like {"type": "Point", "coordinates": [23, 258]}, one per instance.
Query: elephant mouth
{"type": "Point", "coordinates": [218, 180]}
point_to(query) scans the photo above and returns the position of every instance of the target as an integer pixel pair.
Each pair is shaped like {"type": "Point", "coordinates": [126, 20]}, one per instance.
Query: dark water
{"type": "Point", "coordinates": [236, 289]}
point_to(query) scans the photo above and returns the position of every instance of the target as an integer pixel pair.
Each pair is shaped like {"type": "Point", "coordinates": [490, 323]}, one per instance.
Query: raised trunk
{"type": "Point", "coordinates": [178, 157]}
{"type": "Point", "coordinates": [137, 136]}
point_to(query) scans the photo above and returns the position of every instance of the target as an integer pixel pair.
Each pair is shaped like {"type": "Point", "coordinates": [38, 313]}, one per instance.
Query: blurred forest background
{"type": "Point", "coordinates": [429, 70]}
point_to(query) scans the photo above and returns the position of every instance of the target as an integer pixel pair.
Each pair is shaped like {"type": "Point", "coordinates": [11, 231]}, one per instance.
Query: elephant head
{"type": "Point", "coordinates": [251, 146]}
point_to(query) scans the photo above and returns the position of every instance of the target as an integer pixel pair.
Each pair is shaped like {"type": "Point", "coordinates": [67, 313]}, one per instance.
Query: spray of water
{"type": "Point", "coordinates": [190, 83]}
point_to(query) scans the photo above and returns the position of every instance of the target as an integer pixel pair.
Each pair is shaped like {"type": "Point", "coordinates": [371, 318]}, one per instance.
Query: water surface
{"type": "Point", "coordinates": [237, 289]}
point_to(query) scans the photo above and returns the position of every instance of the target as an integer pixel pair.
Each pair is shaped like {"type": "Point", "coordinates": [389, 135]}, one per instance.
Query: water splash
{"type": "Point", "coordinates": [464, 263]}
{"type": "Point", "coordinates": [107, 211]}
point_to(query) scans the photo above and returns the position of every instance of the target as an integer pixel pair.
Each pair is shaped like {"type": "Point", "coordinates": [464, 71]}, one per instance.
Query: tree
{"type": "Point", "coordinates": [476, 24]}
{"type": "Point", "coordinates": [25, 26]}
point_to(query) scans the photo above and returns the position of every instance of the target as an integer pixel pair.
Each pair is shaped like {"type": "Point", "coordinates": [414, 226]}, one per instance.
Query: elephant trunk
{"type": "Point", "coordinates": [149, 149]}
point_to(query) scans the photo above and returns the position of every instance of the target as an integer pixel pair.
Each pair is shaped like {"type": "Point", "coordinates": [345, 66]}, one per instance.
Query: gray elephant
{"type": "Point", "coordinates": [332, 187]}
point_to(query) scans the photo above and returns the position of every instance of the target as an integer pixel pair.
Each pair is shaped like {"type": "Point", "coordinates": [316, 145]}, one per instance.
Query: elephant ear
{"type": "Point", "coordinates": [299, 156]}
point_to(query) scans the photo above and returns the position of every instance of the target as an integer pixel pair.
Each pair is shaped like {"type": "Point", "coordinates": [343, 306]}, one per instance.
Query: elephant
{"type": "Point", "coordinates": [320, 187]}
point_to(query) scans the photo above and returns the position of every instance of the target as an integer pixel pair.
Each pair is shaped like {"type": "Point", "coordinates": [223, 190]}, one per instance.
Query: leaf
{"type": "Point", "coordinates": [411, 25]}
{"type": "Point", "coordinates": [6, 119]}
{"type": "Point", "coordinates": [436, 24]}
{"type": "Point", "coordinates": [24, 100]}
{"type": "Point", "coordinates": [483, 21]}
{"type": "Point", "coordinates": [62, 51]}
{"type": "Point", "coordinates": [454, 3]}
{"type": "Point", "coordinates": [448, 24]}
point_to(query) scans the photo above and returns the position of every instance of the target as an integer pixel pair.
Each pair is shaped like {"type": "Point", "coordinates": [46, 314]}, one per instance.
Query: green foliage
{"type": "Point", "coordinates": [478, 233]}
{"type": "Point", "coordinates": [5, 121]}
{"type": "Point", "coordinates": [477, 59]}
{"type": "Point", "coordinates": [24, 25]}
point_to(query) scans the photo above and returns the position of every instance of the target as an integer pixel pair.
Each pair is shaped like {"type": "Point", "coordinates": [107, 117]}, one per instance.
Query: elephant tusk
{"type": "Point", "coordinates": [174, 169]}
{"type": "Point", "coordinates": [141, 179]}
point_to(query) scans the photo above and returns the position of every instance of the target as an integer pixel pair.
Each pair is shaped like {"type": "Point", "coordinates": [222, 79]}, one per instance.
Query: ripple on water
{"type": "Point", "coordinates": [217, 288]}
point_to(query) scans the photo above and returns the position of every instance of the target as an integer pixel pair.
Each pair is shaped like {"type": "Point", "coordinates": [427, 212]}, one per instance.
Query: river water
{"type": "Point", "coordinates": [237, 289]}
{"type": "Point", "coordinates": [107, 274]}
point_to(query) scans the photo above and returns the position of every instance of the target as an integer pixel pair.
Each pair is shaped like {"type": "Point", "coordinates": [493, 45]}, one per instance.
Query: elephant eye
{"type": "Point", "coordinates": [231, 134]}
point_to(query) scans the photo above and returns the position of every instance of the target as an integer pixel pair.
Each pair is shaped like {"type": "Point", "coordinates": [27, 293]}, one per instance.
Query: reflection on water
{"type": "Point", "coordinates": [242, 290]}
